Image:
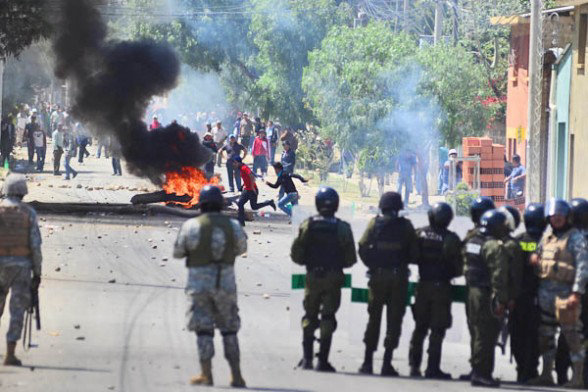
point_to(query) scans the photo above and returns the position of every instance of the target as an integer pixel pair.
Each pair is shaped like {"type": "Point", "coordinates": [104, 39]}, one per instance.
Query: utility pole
{"type": "Point", "coordinates": [533, 134]}
{"type": "Point", "coordinates": [405, 16]}
{"type": "Point", "coordinates": [438, 33]}
{"type": "Point", "coordinates": [455, 22]}
{"type": "Point", "coordinates": [1, 85]}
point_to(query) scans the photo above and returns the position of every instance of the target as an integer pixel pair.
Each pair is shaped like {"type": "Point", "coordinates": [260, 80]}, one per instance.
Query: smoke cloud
{"type": "Point", "coordinates": [112, 84]}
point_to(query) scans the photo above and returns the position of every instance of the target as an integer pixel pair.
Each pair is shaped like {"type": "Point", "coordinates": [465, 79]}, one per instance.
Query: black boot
{"type": "Point", "coordinates": [368, 363]}
{"type": "Point", "coordinates": [434, 363]}
{"type": "Point", "coordinates": [323, 356]}
{"type": "Point", "coordinates": [486, 382]}
{"type": "Point", "coordinates": [307, 350]}
{"type": "Point", "coordinates": [387, 369]}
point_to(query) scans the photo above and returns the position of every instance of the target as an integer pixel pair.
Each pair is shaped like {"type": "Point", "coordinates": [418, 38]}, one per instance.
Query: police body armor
{"type": "Point", "coordinates": [323, 251]}
{"type": "Point", "coordinates": [202, 255]}
{"type": "Point", "coordinates": [386, 249]}
{"type": "Point", "coordinates": [432, 265]}
{"type": "Point", "coordinates": [530, 281]}
{"type": "Point", "coordinates": [557, 263]}
{"type": "Point", "coordinates": [15, 225]}
{"type": "Point", "coordinates": [478, 272]}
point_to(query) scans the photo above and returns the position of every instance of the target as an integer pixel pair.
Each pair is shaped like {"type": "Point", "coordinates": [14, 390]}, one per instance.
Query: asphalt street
{"type": "Point", "coordinates": [113, 308]}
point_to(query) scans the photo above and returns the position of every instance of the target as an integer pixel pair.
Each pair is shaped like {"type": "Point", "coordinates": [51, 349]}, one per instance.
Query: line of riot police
{"type": "Point", "coordinates": [530, 285]}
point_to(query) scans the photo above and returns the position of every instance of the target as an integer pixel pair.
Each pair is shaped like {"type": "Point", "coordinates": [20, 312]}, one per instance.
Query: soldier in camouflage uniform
{"type": "Point", "coordinates": [562, 261]}
{"type": "Point", "coordinates": [478, 208]}
{"type": "Point", "coordinates": [20, 258]}
{"type": "Point", "coordinates": [388, 245]}
{"type": "Point", "coordinates": [525, 316]}
{"type": "Point", "coordinates": [325, 246]}
{"type": "Point", "coordinates": [440, 261]}
{"type": "Point", "coordinates": [486, 272]}
{"type": "Point", "coordinates": [210, 243]}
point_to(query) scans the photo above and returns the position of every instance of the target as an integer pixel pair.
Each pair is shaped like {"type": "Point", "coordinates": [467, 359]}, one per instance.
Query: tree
{"type": "Point", "coordinates": [21, 23]}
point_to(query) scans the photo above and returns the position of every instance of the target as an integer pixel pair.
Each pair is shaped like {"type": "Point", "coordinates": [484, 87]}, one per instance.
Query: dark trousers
{"type": "Point", "coordinates": [233, 174]}
{"type": "Point", "coordinates": [524, 336]}
{"type": "Point", "coordinates": [116, 166]}
{"type": "Point", "coordinates": [251, 197]}
{"type": "Point", "coordinates": [485, 329]}
{"type": "Point", "coordinates": [83, 152]}
{"type": "Point", "coordinates": [31, 151]}
{"type": "Point", "coordinates": [57, 160]}
{"type": "Point", "coordinates": [40, 151]}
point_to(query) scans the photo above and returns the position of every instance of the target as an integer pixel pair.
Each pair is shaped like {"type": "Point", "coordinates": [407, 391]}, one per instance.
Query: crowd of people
{"type": "Point", "coordinates": [43, 126]}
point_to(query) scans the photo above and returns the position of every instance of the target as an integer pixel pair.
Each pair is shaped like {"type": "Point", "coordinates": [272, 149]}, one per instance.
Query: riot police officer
{"type": "Point", "coordinates": [486, 272]}
{"type": "Point", "coordinates": [210, 244]}
{"type": "Point", "coordinates": [20, 258]}
{"type": "Point", "coordinates": [388, 245]}
{"type": "Point", "coordinates": [478, 208]}
{"type": "Point", "coordinates": [325, 246]}
{"type": "Point", "coordinates": [439, 261]}
{"type": "Point", "coordinates": [525, 315]}
{"type": "Point", "coordinates": [562, 260]}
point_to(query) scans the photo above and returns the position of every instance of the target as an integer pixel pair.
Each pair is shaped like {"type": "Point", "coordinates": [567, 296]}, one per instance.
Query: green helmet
{"type": "Point", "coordinates": [15, 185]}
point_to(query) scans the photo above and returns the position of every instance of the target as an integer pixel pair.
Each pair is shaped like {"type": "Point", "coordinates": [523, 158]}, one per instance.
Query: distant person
{"type": "Point", "coordinates": [21, 123]}
{"type": "Point", "coordinates": [288, 157]}
{"type": "Point", "coordinates": [260, 153]}
{"type": "Point", "coordinates": [517, 178]}
{"type": "Point", "coordinates": [40, 143]}
{"type": "Point", "coordinates": [58, 148]}
{"type": "Point", "coordinates": [155, 124]}
{"type": "Point", "coordinates": [7, 137]}
{"type": "Point", "coordinates": [246, 127]}
{"type": "Point", "coordinates": [103, 143]}
{"type": "Point", "coordinates": [290, 198]}
{"type": "Point", "coordinates": [219, 135]}
{"type": "Point", "coordinates": [406, 167]}
{"type": "Point", "coordinates": [233, 150]}
{"type": "Point", "coordinates": [82, 140]}
{"type": "Point", "coordinates": [29, 131]}
{"type": "Point", "coordinates": [70, 152]}
{"type": "Point", "coordinates": [208, 142]}
{"type": "Point", "coordinates": [249, 192]}
{"type": "Point", "coordinates": [116, 154]}
{"type": "Point", "coordinates": [447, 181]}
{"type": "Point", "coordinates": [258, 125]}
{"type": "Point", "coordinates": [288, 136]}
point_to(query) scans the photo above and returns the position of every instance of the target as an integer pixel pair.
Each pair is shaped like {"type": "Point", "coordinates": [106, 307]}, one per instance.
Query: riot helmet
{"type": "Point", "coordinates": [440, 215]}
{"type": "Point", "coordinates": [494, 223]}
{"type": "Point", "coordinates": [580, 213]}
{"type": "Point", "coordinates": [534, 218]}
{"type": "Point", "coordinates": [211, 199]}
{"type": "Point", "coordinates": [327, 201]}
{"type": "Point", "coordinates": [479, 207]}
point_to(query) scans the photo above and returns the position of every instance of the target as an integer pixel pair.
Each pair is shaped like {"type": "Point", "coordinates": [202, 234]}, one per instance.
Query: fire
{"type": "Point", "coordinates": [188, 181]}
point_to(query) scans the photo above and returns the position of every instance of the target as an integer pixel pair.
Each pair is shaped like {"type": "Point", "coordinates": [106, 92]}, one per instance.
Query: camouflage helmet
{"type": "Point", "coordinates": [15, 185]}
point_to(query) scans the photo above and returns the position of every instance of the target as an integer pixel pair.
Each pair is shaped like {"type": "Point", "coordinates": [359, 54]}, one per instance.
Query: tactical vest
{"type": "Point", "coordinates": [529, 246]}
{"type": "Point", "coordinates": [15, 228]}
{"type": "Point", "coordinates": [477, 271]}
{"type": "Point", "coordinates": [323, 249]}
{"type": "Point", "coordinates": [432, 265]}
{"type": "Point", "coordinates": [556, 262]}
{"type": "Point", "coordinates": [387, 249]}
{"type": "Point", "coordinates": [202, 255]}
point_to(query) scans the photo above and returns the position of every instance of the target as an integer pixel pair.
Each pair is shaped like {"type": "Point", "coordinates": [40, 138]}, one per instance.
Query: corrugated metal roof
{"type": "Point", "coordinates": [525, 18]}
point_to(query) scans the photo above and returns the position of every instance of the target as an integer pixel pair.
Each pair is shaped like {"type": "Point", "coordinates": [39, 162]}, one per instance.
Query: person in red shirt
{"type": "Point", "coordinates": [155, 124]}
{"type": "Point", "coordinates": [249, 192]}
{"type": "Point", "coordinates": [260, 153]}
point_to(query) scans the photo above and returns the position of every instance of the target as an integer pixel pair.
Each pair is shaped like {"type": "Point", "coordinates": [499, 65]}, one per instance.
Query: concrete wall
{"type": "Point", "coordinates": [579, 116]}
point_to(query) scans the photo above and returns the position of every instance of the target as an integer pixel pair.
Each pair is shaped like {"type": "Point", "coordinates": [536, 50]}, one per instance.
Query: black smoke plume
{"type": "Point", "coordinates": [112, 83]}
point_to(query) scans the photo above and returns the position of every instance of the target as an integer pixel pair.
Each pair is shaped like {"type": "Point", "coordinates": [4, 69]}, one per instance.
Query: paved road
{"type": "Point", "coordinates": [113, 313]}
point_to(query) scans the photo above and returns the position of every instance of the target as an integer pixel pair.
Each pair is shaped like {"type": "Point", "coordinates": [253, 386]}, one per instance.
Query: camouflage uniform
{"type": "Point", "coordinates": [440, 261]}
{"type": "Point", "coordinates": [211, 287]}
{"type": "Point", "coordinates": [387, 246]}
{"type": "Point", "coordinates": [486, 272]}
{"type": "Point", "coordinates": [16, 265]}
{"type": "Point", "coordinates": [325, 246]}
{"type": "Point", "coordinates": [563, 254]}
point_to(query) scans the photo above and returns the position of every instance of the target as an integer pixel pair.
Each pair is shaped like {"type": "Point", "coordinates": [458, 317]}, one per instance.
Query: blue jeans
{"type": "Point", "coordinates": [40, 151]}
{"type": "Point", "coordinates": [273, 148]}
{"type": "Point", "coordinates": [68, 169]}
{"type": "Point", "coordinates": [407, 182]}
{"type": "Point", "coordinates": [116, 166]}
{"type": "Point", "coordinates": [233, 174]}
{"type": "Point", "coordinates": [290, 198]}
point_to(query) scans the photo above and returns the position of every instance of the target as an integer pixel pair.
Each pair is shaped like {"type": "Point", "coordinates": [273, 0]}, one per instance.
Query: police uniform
{"type": "Point", "coordinates": [20, 259]}
{"type": "Point", "coordinates": [486, 272]}
{"type": "Point", "coordinates": [563, 269]}
{"type": "Point", "coordinates": [440, 261]}
{"type": "Point", "coordinates": [388, 245]}
{"type": "Point", "coordinates": [210, 244]}
{"type": "Point", "coordinates": [325, 246]}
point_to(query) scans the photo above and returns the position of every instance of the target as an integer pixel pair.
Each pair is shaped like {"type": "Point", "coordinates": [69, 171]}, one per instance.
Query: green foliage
{"type": "Point", "coordinates": [464, 198]}
{"type": "Point", "coordinates": [21, 23]}
{"type": "Point", "coordinates": [314, 153]}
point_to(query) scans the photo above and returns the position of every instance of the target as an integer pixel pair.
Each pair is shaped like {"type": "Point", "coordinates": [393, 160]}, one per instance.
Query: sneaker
{"type": "Point", "coordinates": [75, 174]}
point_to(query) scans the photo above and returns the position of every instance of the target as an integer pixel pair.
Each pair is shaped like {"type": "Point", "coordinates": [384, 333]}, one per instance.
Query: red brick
{"type": "Point", "coordinates": [486, 142]}
{"type": "Point", "coordinates": [471, 141]}
{"type": "Point", "coordinates": [498, 163]}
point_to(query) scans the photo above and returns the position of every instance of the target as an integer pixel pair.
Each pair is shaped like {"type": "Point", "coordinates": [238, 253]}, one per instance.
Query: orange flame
{"type": "Point", "coordinates": [189, 181]}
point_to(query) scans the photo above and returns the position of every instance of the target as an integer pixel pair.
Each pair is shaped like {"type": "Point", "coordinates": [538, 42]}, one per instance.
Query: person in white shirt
{"type": "Point", "coordinates": [40, 142]}
{"type": "Point", "coordinates": [58, 148]}
{"type": "Point", "coordinates": [219, 135]}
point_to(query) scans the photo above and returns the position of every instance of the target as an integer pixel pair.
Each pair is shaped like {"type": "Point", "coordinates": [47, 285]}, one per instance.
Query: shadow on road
{"type": "Point", "coordinates": [65, 368]}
